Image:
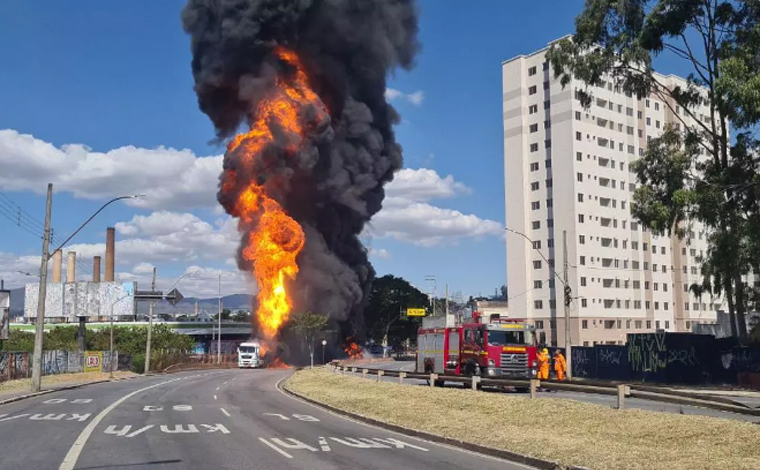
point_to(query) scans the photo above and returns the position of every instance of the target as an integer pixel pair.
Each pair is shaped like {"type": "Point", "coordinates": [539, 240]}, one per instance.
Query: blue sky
{"type": "Point", "coordinates": [117, 74]}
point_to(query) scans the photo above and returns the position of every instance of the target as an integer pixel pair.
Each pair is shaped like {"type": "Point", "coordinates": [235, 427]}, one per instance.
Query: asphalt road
{"type": "Point", "coordinates": [231, 419]}
{"type": "Point", "coordinates": [606, 400]}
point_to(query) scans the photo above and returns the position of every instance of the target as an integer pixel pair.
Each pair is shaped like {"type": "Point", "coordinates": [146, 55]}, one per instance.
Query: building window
{"type": "Point", "coordinates": [647, 305]}
{"type": "Point", "coordinates": [533, 109]}
{"type": "Point", "coordinates": [534, 147]}
{"type": "Point", "coordinates": [538, 304]}
{"type": "Point", "coordinates": [649, 324]}
{"type": "Point", "coordinates": [584, 323]}
{"type": "Point", "coordinates": [631, 149]}
{"type": "Point", "coordinates": [656, 106]}
{"type": "Point", "coordinates": [537, 264]}
{"type": "Point", "coordinates": [646, 284]}
{"type": "Point", "coordinates": [580, 218]}
{"type": "Point", "coordinates": [534, 186]}
{"type": "Point", "coordinates": [536, 224]}
{"type": "Point", "coordinates": [649, 121]}
{"type": "Point", "coordinates": [577, 115]}
{"type": "Point", "coordinates": [628, 111]}
{"type": "Point", "coordinates": [534, 166]}
{"type": "Point", "coordinates": [532, 90]}
{"type": "Point", "coordinates": [583, 303]}
{"type": "Point", "coordinates": [657, 124]}
{"type": "Point", "coordinates": [578, 136]}
{"type": "Point", "coordinates": [657, 305]}
{"type": "Point", "coordinates": [639, 114]}
{"type": "Point", "coordinates": [580, 197]}
{"type": "Point", "coordinates": [582, 239]}
{"type": "Point", "coordinates": [539, 324]}
{"type": "Point", "coordinates": [531, 71]}
{"type": "Point", "coordinates": [579, 177]}
{"type": "Point", "coordinates": [536, 284]}
{"type": "Point", "coordinates": [665, 305]}
{"type": "Point", "coordinates": [583, 281]}
{"type": "Point", "coordinates": [533, 128]}
{"type": "Point", "coordinates": [535, 205]}
{"type": "Point", "coordinates": [657, 324]}
{"type": "Point", "coordinates": [537, 245]}
{"type": "Point", "coordinates": [545, 65]}
{"type": "Point", "coordinates": [664, 285]}
{"type": "Point", "coordinates": [583, 261]}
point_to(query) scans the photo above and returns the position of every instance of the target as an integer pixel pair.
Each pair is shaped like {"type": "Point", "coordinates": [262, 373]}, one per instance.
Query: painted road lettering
{"type": "Point", "coordinates": [285, 445]}
{"type": "Point", "coordinates": [161, 408]}
{"type": "Point", "coordinates": [48, 417]}
{"type": "Point", "coordinates": [124, 430]}
{"type": "Point", "coordinates": [75, 401]}
{"type": "Point", "coordinates": [295, 416]}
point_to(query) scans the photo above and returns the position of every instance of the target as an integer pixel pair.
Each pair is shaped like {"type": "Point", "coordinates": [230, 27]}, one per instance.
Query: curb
{"type": "Point", "coordinates": [477, 448]}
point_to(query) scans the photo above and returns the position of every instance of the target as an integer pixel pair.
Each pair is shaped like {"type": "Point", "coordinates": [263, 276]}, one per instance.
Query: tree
{"type": "Point", "coordinates": [309, 326]}
{"type": "Point", "coordinates": [226, 313]}
{"type": "Point", "coordinates": [241, 316]}
{"type": "Point", "coordinates": [385, 314]}
{"type": "Point", "coordinates": [691, 173]}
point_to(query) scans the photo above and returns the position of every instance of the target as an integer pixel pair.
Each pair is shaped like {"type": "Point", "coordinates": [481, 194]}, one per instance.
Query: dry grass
{"type": "Point", "coordinates": [564, 431]}
{"type": "Point", "coordinates": [60, 379]}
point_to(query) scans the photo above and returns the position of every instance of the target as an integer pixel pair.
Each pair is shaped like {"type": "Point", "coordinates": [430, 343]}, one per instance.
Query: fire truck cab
{"type": "Point", "coordinates": [497, 348]}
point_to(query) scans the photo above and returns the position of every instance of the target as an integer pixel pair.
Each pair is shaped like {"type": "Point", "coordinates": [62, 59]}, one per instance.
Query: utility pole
{"type": "Point", "coordinates": [151, 306]}
{"type": "Point", "coordinates": [447, 301]}
{"type": "Point", "coordinates": [219, 334]}
{"type": "Point", "coordinates": [39, 330]}
{"type": "Point", "coordinates": [568, 299]}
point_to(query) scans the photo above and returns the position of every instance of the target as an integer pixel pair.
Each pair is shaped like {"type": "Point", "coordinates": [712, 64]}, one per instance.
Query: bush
{"type": "Point", "coordinates": [138, 363]}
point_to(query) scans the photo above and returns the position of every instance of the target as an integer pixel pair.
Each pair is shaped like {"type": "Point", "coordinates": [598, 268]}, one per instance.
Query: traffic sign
{"type": "Point", "coordinates": [174, 297]}
{"type": "Point", "coordinates": [415, 312]}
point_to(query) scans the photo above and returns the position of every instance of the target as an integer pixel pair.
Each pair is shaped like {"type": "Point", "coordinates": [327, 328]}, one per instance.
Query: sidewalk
{"type": "Point", "coordinates": [14, 389]}
{"type": "Point", "coordinates": [748, 398]}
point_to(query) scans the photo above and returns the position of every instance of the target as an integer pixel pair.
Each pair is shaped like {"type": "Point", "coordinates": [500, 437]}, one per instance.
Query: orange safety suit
{"type": "Point", "coordinates": [543, 365]}
{"type": "Point", "coordinates": [560, 366]}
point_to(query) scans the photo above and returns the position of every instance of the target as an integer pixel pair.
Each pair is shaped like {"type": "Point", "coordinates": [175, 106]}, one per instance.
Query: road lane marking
{"type": "Point", "coordinates": [72, 455]}
{"type": "Point", "coordinates": [14, 417]}
{"type": "Point", "coordinates": [214, 397]}
{"type": "Point", "coordinates": [324, 445]}
{"type": "Point", "coordinates": [225, 412]}
{"type": "Point", "coordinates": [288, 456]}
{"type": "Point", "coordinates": [217, 388]}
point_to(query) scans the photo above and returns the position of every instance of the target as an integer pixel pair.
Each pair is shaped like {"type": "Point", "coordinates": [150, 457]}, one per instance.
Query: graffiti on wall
{"type": "Point", "coordinates": [18, 365]}
{"type": "Point", "coordinates": [647, 352]}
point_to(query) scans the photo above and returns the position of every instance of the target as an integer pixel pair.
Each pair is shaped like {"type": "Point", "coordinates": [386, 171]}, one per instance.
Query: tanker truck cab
{"type": "Point", "coordinates": [510, 350]}
{"type": "Point", "coordinates": [248, 355]}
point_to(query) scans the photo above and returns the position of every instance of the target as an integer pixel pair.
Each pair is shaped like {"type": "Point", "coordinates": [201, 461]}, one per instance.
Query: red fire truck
{"type": "Point", "coordinates": [498, 348]}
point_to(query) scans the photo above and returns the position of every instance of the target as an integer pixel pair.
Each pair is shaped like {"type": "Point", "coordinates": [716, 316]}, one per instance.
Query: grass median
{"type": "Point", "coordinates": [563, 431]}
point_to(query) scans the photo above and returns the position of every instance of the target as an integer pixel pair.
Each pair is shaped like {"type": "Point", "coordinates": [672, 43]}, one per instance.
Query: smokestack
{"type": "Point", "coordinates": [71, 267]}
{"type": "Point", "coordinates": [110, 242]}
{"type": "Point", "coordinates": [57, 266]}
{"type": "Point", "coordinates": [96, 269]}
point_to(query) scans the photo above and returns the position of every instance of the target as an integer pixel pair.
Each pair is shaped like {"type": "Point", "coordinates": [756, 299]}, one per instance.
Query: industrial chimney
{"type": "Point", "coordinates": [96, 269]}
{"type": "Point", "coordinates": [71, 267]}
{"type": "Point", "coordinates": [57, 266]}
{"type": "Point", "coordinates": [110, 242]}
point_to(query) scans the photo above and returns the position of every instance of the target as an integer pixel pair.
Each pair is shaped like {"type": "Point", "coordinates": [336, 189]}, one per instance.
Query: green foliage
{"type": "Point", "coordinates": [308, 325]}
{"type": "Point", "coordinates": [691, 172]}
{"type": "Point", "coordinates": [19, 341]}
{"type": "Point", "coordinates": [241, 316]}
{"type": "Point", "coordinates": [386, 309]}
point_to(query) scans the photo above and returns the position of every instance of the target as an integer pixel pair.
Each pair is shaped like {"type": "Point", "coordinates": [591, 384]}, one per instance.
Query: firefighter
{"type": "Point", "coordinates": [543, 364]}
{"type": "Point", "coordinates": [560, 366]}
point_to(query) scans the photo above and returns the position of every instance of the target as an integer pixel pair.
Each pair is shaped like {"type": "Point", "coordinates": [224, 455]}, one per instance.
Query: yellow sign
{"type": "Point", "coordinates": [512, 349]}
{"type": "Point", "coordinates": [415, 312]}
{"type": "Point", "coordinates": [93, 361]}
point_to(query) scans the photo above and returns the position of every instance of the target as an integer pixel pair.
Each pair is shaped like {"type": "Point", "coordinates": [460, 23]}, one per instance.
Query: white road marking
{"type": "Point", "coordinates": [288, 456]}
{"type": "Point", "coordinates": [215, 428]}
{"type": "Point", "coordinates": [294, 444]}
{"type": "Point", "coordinates": [305, 418]}
{"type": "Point", "coordinates": [80, 401]}
{"type": "Point", "coordinates": [72, 455]}
{"type": "Point", "coordinates": [225, 412]}
{"type": "Point", "coordinates": [182, 408]}
{"type": "Point", "coordinates": [14, 417]}
{"type": "Point", "coordinates": [324, 445]}
{"type": "Point", "coordinates": [283, 417]}
{"type": "Point", "coordinates": [225, 383]}
{"type": "Point", "coordinates": [54, 401]}
{"type": "Point", "coordinates": [214, 397]}
{"type": "Point", "coordinates": [152, 408]}
{"type": "Point", "coordinates": [179, 428]}
{"type": "Point", "coordinates": [217, 388]}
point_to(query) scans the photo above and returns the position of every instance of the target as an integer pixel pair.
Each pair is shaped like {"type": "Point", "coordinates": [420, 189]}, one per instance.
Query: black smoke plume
{"type": "Point", "coordinates": [335, 183]}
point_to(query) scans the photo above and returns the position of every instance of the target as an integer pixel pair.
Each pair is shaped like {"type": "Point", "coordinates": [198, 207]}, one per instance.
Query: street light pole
{"type": "Point", "coordinates": [151, 306]}
{"type": "Point", "coordinates": [568, 299]}
{"type": "Point", "coordinates": [110, 348]}
{"type": "Point", "coordinates": [41, 297]}
{"type": "Point", "coordinates": [39, 330]}
{"type": "Point", "coordinates": [324, 342]}
{"type": "Point", "coordinates": [219, 334]}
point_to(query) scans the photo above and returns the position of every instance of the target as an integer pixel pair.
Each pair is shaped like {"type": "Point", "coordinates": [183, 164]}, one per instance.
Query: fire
{"type": "Point", "coordinates": [273, 245]}
{"type": "Point", "coordinates": [277, 364]}
{"type": "Point", "coordinates": [353, 350]}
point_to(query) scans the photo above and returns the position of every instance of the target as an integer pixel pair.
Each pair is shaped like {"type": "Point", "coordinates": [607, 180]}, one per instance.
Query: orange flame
{"type": "Point", "coordinates": [273, 246]}
{"type": "Point", "coordinates": [353, 350]}
{"type": "Point", "coordinates": [277, 364]}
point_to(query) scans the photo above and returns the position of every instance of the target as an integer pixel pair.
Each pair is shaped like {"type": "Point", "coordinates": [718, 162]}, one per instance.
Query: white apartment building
{"type": "Point", "coordinates": [567, 169]}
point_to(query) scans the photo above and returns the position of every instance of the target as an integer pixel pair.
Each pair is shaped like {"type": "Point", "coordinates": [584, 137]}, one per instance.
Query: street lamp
{"type": "Point", "coordinates": [146, 367]}
{"type": "Point", "coordinates": [39, 329]}
{"type": "Point", "coordinates": [566, 288]}
{"type": "Point", "coordinates": [324, 343]}
{"type": "Point", "coordinates": [111, 342]}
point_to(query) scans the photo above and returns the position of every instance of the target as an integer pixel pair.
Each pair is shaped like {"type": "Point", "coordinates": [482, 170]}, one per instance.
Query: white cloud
{"type": "Point", "coordinates": [407, 215]}
{"type": "Point", "coordinates": [169, 178]}
{"type": "Point", "coordinates": [143, 268]}
{"type": "Point", "coordinates": [416, 97]}
{"type": "Point", "coordinates": [379, 253]}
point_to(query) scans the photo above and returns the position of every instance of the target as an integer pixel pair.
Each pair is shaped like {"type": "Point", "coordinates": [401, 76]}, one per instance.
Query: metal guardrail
{"type": "Point", "coordinates": [622, 391]}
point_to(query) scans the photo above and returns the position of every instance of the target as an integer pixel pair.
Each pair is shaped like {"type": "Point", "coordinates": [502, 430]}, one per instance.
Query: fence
{"type": "Point", "coordinates": [674, 358]}
{"type": "Point", "coordinates": [18, 365]}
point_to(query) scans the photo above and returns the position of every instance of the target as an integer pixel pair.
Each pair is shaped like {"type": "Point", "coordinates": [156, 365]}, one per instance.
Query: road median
{"type": "Point", "coordinates": [569, 433]}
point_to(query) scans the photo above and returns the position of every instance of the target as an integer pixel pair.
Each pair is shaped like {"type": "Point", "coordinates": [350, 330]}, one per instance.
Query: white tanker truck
{"type": "Point", "coordinates": [249, 354]}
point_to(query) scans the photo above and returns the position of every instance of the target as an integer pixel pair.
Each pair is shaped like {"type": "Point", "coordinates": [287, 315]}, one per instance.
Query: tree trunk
{"type": "Point", "coordinates": [740, 308]}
